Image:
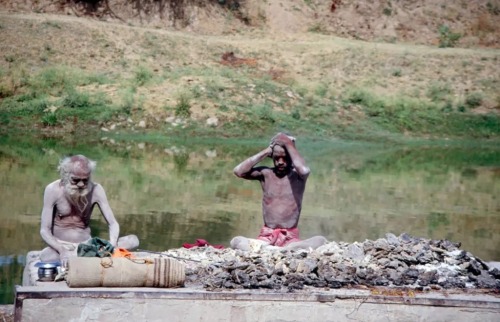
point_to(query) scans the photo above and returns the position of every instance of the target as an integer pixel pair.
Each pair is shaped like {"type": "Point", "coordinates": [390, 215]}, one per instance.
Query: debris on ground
{"type": "Point", "coordinates": [404, 261]}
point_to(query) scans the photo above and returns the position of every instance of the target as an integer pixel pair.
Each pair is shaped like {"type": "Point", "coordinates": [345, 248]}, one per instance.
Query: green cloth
{"type": "Point", "coordinates": [95, 247]}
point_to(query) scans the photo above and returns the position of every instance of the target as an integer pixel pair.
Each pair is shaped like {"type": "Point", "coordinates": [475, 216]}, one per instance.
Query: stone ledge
{"type": "Point", "coordinates": [188, 304]}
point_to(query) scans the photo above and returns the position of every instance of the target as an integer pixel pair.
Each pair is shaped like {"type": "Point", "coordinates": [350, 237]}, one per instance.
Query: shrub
{"type": "Point", "coordinates": [321, 90]}
{"type": "Point", "coordinates": [143, 75]}
{"type": "Point", "coordinates": [373, 106]}
{"type": "Point", "coordinates": [5, 91]}
{"type": "Point", "coordinates": [396, 72]}
{"type": "Point", "coordinates": [36, 105]}
{"type": "Point", "coordinates": [76, 100]}
{"type": "Point", "coordinates": [317, 28]}
{"type": "Point", "coordinates": [461, 107]}
{"type": "Point", "coordinates": [183, 106]}
{"type": "Point", "coordinates": [128, 102]}
{"type": "Point", "coordinates": [49, 119]}
{"type": "Point", "coordinates": [97, 79]}
{"type": "Point", "coordinates": [473, 100]}
{"type": "Point", "coordinates": [447, 38]}
{"type": "Point", "coordinates": [4, 117]}
{"type": "Point", "coordinates": [438, 91]}
{"type": "Point", "coordinates": [266, 113]}
{"type": "Point", "coordinates": [296, 114]}
{"type": "Point", "coordinates": [447, 107]}
{"type": "Point", "coordinates": [493, 8]}
{"type": "Point", "coordinates": [52, 80]}
{"type": "Point", "coordinates": [10, 58]}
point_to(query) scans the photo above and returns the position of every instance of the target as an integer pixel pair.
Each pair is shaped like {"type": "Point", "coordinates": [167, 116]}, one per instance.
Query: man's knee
{"type": "Point", "coordinates": [49, 254]}
{"type": "Point", "coordinates": [318, 241]}
{"type": "Point", "coordinates": [239, 242]}
{"type": "Point", "coordinates": [128, 242]}
{"type": "Point", "coordinates": [313, 242]}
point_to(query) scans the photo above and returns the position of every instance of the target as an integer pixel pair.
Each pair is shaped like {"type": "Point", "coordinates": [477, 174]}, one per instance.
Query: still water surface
{"type": "Point", "coordinates": [169, 194]}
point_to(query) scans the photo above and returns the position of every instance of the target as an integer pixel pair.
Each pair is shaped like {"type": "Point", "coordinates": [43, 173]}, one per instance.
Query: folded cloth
{"type": "Point", "coordinates": [279, 236]}
{"type": "Point", "coordinates": [201, 243]}
{"type": "Point", "coordinates": [95, 247]}
{"type": "Point", "coordinates": [122, 252]}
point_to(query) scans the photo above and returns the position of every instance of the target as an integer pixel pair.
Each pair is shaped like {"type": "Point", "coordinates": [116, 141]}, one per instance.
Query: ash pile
{"type": "Point", "coordinates": [393, 261]}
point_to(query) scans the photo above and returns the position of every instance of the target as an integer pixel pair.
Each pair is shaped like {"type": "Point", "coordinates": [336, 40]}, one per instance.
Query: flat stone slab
{"type": "Point", "coordinates": [56, 299]}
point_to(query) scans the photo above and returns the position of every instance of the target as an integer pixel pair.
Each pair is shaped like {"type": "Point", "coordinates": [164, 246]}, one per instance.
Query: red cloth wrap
{"type": "Point", "coordinates": [279, 236]}
{"type": "Point", "coordinates": [201, 243]}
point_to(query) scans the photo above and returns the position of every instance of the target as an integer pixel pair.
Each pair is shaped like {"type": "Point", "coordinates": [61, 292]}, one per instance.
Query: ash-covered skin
{"type": "Point", "coordinates": [67, 207]}
{"type": "Point", "coordinates": [283, 187]}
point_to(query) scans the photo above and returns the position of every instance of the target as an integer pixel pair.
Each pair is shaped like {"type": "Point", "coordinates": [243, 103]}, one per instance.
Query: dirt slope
{"type": "Point", "coordinates": [292, 43]}
{"type": "Point", "coordinates": [412, 21]}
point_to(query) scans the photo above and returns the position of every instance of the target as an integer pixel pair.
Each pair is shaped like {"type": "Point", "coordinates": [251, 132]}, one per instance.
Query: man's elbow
{"type": "Point", "coordinates": [44, 232]}
{"type": "Point", "coordinates": [304, 171]}
{"type": "Point", "coordinates": [237, 172]}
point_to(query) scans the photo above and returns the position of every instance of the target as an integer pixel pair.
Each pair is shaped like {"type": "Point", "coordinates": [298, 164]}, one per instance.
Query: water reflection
{"type": "Point", "coordinates": [170, 230]}
{"type": "Point", "coordinates": [169, 194]}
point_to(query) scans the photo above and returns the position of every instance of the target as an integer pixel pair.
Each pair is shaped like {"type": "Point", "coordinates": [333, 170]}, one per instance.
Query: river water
{"type": "Point", "coordinates": [172, 193]}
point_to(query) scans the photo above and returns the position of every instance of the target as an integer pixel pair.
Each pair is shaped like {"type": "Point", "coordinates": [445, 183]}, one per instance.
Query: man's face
{"type": "Point", "coordinates": [281, 159]}
{"type": "Point", "coordinates": [78, 182]}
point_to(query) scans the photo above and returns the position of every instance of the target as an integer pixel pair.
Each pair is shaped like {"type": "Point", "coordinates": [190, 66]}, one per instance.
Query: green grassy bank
{"type": "Point", "coordinates": [61, 100]}
{"type": "Point", "coordinates": [63, 76]}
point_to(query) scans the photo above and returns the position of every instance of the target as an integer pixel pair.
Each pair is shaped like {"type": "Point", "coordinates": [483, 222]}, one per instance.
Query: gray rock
{"type": "Point", "coordinates": [383, 262]}
{"type": "Point", "coordinates": [355, 252]}
{"type": "Point", "coordinates": [393, 264]}
{"type": "Point", "coordinates": [307, 266]}
{"type": "Point", "coordinates": [381, 244]}
{"type": "Point", "coordinates": [485, 280]}
{"type": "Point", "coordinates": [392, 239]}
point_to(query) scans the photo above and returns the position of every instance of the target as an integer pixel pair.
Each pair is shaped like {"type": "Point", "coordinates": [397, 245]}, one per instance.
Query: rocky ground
{"type": "Point", "coordinates": [6, 313]}
{"type": "Point", "coordinates": [404, 261]}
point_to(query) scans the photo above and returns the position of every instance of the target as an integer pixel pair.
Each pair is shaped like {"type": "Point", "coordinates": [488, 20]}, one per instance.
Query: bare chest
{"type": "Point", "coordinates": [65, 208]}
{"type": "Point", "coordinates": [283, 187]}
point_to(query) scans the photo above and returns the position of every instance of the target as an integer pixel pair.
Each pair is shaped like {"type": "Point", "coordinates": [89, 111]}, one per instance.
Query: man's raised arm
{"type": "Point", "coordinates": [246, 168]}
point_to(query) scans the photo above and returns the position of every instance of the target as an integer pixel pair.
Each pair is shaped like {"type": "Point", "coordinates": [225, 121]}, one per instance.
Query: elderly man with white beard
{"type": "Point", "coordinates": [67, 207]}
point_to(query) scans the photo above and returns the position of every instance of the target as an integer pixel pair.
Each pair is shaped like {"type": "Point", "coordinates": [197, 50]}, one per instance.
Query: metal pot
{"type": "Point", "coordinates": [47, 272]}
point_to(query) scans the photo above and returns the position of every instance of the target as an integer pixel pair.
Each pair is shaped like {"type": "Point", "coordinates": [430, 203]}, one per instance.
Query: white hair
{"type": "Point", "coordinates": [68, 165]}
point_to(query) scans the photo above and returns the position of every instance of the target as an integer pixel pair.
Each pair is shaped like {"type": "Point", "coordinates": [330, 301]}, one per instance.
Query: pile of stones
{"type": "Point", "coordinates": [393, 261]}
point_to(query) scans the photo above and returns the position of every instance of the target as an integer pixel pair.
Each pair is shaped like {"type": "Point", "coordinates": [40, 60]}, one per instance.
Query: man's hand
{"type": "Point", "coordinates": [282, 139]}
{"type": "Point", "coordinates": [64, 256]}
{"type": "Point", "coordinates": [269, 151]}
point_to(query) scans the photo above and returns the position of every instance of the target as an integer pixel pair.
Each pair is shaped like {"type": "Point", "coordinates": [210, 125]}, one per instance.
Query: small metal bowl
{"type": "Point", "coordinates": [47, 272]}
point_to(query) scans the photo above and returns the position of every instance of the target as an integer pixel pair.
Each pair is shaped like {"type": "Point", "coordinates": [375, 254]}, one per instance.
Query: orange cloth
{"type": "Point", "coordinates": [279, 236]}
{"type": "Point", "coordinates": [122, 252]}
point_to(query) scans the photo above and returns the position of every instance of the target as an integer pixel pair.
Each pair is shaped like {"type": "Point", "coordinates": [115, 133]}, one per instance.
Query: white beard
{"type": "Point", "coordinates": [76, 196]}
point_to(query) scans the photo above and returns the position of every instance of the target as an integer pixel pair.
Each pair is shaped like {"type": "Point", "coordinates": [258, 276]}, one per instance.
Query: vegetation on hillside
{"type": "Point", "coordinates": [72, 75]}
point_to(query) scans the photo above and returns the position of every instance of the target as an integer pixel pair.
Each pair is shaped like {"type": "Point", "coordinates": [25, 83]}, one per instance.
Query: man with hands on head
{"type": "Point", "coordinates": [283, 189]}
